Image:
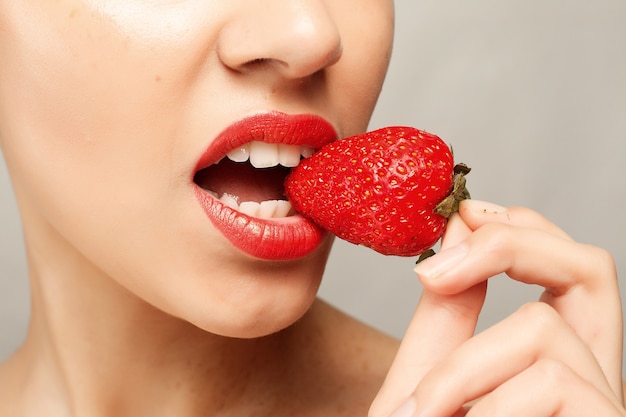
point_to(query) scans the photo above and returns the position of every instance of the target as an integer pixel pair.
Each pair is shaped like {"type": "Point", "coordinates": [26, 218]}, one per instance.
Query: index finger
{"type": "Point", "coordinates": [580, 280]}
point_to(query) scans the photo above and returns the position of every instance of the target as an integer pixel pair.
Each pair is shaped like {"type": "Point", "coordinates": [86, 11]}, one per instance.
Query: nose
{"type": "Point", "coordinates": [296, 38]}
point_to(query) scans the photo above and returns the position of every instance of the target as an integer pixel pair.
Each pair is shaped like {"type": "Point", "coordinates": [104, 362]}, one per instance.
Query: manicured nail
{"type": "Point", "coordinates": [407, 409]}
{"type": "Point", "coordinates": [441, 262]}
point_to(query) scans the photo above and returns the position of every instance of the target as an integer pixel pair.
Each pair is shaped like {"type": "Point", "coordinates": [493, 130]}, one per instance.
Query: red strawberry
{"type": "Point", "coordinates": [391, 189]}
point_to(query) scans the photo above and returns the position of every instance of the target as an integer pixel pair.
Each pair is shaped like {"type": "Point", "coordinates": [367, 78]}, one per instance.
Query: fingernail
{"type": "Point", "coordinates": [407, 409]}
{"type": "Point", "coordinates": [483, 207]}
{"type": "Point", "coordinates": [441, 262]}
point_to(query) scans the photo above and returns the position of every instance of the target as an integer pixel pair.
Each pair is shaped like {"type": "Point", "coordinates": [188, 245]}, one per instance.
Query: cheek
{"type": "Point", "coordinates": [87, 111]}
{"type": "Point", "coordinates": [367, 36]}
{"type": "Point", "coordinates": [89, 126]}
{"type": "Point", "coordinates": [90, 83]}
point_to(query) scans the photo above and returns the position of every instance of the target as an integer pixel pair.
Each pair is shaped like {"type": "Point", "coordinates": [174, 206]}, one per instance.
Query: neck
{"type": "Point", "coordinates": [108, 353]}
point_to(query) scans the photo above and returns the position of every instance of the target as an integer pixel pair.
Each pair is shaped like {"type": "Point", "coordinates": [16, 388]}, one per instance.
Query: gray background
{"type": "Point", "coordinates": [531, 94]}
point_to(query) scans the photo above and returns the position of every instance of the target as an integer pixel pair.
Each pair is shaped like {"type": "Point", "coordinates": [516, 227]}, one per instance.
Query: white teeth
{"type": "Point", "coordinates": [265, 209]}
{"type": "Point", "coordinates": [288, 155]}
{"type": "Point", "coordinates": [251, 208]}
{"type": "Point", "coordinates": [263, 155]}
{"type": "Point", "coordinates": [240, 154]}
{"type": "Point", "coordinates": [267, 155]}
{"type": "Point", "coordinates": [230, 200]}
{"type": "Point", "coordinates": [283, 207]}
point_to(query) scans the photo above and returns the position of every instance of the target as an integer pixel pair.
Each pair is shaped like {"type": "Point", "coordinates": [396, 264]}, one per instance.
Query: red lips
{"type": "Point", "coordinates": [270, 239]}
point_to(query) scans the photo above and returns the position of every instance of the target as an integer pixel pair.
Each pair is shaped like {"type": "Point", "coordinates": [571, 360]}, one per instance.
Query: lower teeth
{"type": "Point", "coordinates": [265, 209]}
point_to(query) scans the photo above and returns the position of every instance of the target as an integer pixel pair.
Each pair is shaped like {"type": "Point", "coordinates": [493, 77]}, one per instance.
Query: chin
{"type": "Point", "coordinates": [251, 298]}
{"type": "Point", "coordinates": [262, 316]}
{"type": "Point", "coordinates": [266, 323]}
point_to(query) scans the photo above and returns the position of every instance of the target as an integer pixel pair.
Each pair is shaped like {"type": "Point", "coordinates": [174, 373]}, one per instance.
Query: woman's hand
{"type": "Point", "coordinates": [561, 356]}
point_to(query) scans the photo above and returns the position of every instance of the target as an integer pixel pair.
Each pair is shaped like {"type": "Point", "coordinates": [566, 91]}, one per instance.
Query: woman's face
{"type": "Point", "coordinates": [114, 115]}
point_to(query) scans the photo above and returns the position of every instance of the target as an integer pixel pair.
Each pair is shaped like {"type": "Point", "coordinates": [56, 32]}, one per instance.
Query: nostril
{"type": "Point", "coordinates": [293, 39]}
{"type": "Point", "coordinates": [260, 64]}
{"type": "Point", "coordinates": [256, 63]}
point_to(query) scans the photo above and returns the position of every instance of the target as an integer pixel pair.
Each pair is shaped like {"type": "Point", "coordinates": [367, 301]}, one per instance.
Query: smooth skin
{"type": "Point", "coordinates": [141, 308]}
{"type": "Point", "coordinates": [561, 356]}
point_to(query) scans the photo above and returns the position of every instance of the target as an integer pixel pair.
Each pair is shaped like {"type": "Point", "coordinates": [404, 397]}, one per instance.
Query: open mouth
{"type": "Point", "coordinates": [239, 183]}
{"type": "Point", "coordinates": [250, 178]}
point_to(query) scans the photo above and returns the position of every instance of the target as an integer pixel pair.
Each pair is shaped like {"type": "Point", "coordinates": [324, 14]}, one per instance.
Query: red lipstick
{"type": "Point", "coordinates": [269, 239]}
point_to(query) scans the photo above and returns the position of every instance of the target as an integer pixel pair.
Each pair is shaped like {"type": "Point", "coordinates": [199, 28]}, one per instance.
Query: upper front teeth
{"type": "Point", "coordinates": [266, 155]}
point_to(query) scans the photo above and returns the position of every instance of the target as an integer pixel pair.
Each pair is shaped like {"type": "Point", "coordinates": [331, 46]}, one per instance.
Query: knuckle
{"type": "Point", "coordinates": [605, 261]}
{"type": "Point", "coordinates": [540, 319]}
{"type": "Point", "coordinates": [598, 270]}
{"type": "Point", "coordinates": [498, 238]}
{"type": "Point", "coordinates": [552, 373]}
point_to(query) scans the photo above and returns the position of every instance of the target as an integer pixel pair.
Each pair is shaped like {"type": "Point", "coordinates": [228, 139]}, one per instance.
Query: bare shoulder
{"type": "Point", "coordinates": [350, 357]}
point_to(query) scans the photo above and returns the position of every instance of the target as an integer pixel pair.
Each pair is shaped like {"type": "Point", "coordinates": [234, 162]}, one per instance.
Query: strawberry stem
{"type": "Point", "coordinates": [450, 204]}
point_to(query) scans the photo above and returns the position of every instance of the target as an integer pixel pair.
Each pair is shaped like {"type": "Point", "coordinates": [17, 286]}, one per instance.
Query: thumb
{"type": "Point", "coordinates": [440, 324]}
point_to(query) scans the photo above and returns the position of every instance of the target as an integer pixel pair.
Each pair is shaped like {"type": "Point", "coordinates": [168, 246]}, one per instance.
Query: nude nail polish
{"type": "Point", "coordinates": [441, 262]}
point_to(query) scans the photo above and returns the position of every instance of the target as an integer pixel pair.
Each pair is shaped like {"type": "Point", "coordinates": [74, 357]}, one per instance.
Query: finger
{"type": "Point", "coordinates": [456, 231]}
{"type": "Point", "coordinates": [580, 280]}
{"type": "Point", "coordinates": [477, 213]}
{"type": "Point", "coordinates": [590, 301]}
{"type": "Point", "coordinates": [440, 324]}
{"type": "Point", "coordinates": [534, 333]}
{"type": "Point", "coordinates": [547, 389]}
{"type": "Point", "coordinates": [528, 255]}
